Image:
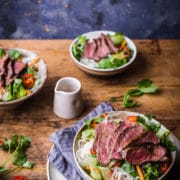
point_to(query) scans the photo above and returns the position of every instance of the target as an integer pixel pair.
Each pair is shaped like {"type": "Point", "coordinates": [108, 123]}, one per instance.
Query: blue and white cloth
{"type": "Point", "coordinates": [61, 155]}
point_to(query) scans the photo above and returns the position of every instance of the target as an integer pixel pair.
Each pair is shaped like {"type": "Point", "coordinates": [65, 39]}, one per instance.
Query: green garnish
{"type": "Point", "coordinates": [128, 102]}
{"type": "Point", "coordinates": [78, 47]}
{"type": "Point", "coordinates": [14, 54]}
{"type": "Point", "coordinates": [16, 147]}
{"type": "Point", "coordinates": [2, 52]}
{"type": "Point", "coordinates": [87, 122]}
{"type": "Point", "coordinates": [144, 86]}
{"type": "Point", "coordinates": [112, 99]}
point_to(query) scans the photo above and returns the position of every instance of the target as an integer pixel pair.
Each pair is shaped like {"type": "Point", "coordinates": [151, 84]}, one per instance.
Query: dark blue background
{"type": "Point", "coordinates": [47, 19]}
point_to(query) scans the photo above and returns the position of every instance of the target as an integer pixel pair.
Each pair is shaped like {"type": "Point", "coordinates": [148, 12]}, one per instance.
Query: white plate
{"type": "Point", "coordinates": [53, 173]}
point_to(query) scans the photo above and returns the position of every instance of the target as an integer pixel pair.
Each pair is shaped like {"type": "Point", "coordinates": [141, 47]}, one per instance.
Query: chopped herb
{"type": "Point", "coordinates": [16, 146]}
{"type": "Point", "coordinates": [128, 102]}
{"type": "Point", "coordinates": [146, 86]}
{"type": "Point", "coordinates": [113, 99]}
{"type": "Point", "coordinates": [135, 92]}
{"type": "Point", "coordinates": [144, 83]}
{"type": "Point", "coordinates": [2, 52]}
{"type": "Point", "coordinates": [98, 119]}
{"type": "Point", "coordinates": [87, 122]}
{"type": "Point", "coordinates": [14, 54]}
{"type": "Point", "coordinates": [129, 168]}
{"type": "Point", "coordinates": [150, 116]}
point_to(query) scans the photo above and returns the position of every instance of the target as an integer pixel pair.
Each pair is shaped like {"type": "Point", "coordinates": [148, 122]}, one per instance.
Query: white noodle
{"type": "Point", "coordinates": [120, 174]}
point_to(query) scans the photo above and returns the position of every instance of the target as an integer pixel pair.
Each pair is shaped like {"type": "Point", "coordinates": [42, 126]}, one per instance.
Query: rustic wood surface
{"type": "Point", "coordinates": [158, 60]}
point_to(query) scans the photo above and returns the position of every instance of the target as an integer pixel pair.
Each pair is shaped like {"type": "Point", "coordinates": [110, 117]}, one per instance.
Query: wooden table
{"type": "Point", "coordinates": [158, 60]}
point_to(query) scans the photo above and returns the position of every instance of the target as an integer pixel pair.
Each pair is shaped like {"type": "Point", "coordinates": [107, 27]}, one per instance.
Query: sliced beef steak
{"type": "Point", "coordinates": [112, 144]}
{"type": "Point", "coordinates": [99, 48]}
{"type": "Point", "coordinates": [18, 67]}
{"type": "Point", "coordinates": [3, 62]}
{"type": "Point", "coordinates": [148, 137]}
{"type": "Point", "coordinates": [141, 154]}
{"type": "Point", "coordinates": [127, 137]}
{"type": "Point", "coordinates": [107, 128]}
{"type": "Point", "coordinates": [10, 73]}
{"type": "Point", "coordinates": [110, 45]}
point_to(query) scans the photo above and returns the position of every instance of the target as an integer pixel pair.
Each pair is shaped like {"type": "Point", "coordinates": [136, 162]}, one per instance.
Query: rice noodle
{"type": "Point", "coordinates": [120, 174]}
{"type": "Point", "coordinates": [84, 147]}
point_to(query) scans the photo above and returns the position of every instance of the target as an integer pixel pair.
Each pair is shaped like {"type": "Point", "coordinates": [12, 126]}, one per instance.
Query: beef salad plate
{"type": "Point", "coordinates": [22, 74]}
{"type": "Point", "coordinates": [103, 52]}
{"type": "Point", "coordinates": [124, 145]}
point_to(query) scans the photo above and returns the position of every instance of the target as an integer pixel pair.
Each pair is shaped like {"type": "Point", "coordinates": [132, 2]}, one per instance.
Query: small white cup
{"type": "Point", "coordinates": [68, 102]}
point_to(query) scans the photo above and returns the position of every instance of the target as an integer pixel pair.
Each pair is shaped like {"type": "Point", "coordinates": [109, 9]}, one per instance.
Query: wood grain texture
{"type": "Point", "coordinates": [157, 60]}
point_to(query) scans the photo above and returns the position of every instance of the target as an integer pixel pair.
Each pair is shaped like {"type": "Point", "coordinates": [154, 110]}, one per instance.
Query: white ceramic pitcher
{"type": "Point", "coordinates": [68, 101]}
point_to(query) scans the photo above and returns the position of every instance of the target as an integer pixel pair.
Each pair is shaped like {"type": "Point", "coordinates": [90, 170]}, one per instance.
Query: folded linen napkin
{"type": "Point", "coordinates": [61, 155]}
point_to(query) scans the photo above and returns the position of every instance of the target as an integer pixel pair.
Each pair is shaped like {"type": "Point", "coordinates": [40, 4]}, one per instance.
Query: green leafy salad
{"type": "Point", "coordinates": [87, 152]}
{"type": "Point", "coordinates": [19, 73]}
{"type": "Point", "coordinates": [103, 52]}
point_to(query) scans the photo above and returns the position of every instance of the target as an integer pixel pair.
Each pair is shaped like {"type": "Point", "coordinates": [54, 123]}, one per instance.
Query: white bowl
{"type": "Point", "coordinates": [42, 69]}
{"type": "Point", "coordinates": [78, 135]}
{"type": "Point", "coordinates": [103, 72]}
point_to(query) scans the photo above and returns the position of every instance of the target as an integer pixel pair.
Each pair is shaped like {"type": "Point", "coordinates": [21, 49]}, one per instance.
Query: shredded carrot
{"type": "Point", "coordinates": [140, 173]}
{"type": "Point", "coordinates": [28, 92]}
{"type": "Point", "coordinates": [92, 151]}
{"type": "Point", "coordinates": [94, 124]}
{"type": "Point", "coordinates": [123, 44]}
{"type": "Point", "coordinates": [104, 115]}
{"type": "Point", "coordinates": [36, 60]}
{"type": "Point", "coordinates": [116, 164]}
{"type": "Point", "coordinates": [126, 50]}
{"type": "Point", "coordinates": [132, 118]}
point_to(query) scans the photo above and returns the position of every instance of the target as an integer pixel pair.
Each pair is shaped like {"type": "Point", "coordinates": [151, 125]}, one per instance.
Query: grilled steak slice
{"type": "Point", "coordinates": [141, 154]}
{"type": "Point", "coordinates": [18, 67]}
{"type": "Point", "coordinates": [3, 61]}
{"type": "Point", "coordinates": [123, 125]}
{"type": "Point", "coordinates": [99, 48]}
{"type": "Point", "coordinates": [107, 127]}
{"type": "Point", "coordinates": [109, 43]}
{"type": "Point", "coordinates": [127, 137]}
{"type": "Point", "coordinates": [148, 137]}
{"type": "Point", "coordinates": [87, 50]}
{"type": "Point", "coordinates": [10, 74]}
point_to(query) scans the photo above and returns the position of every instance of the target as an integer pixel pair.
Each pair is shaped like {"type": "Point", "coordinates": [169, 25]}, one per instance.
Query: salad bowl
{"type": "Point", "coordinates": [93, 53]}
{"type": "Point", "coordinates": [88, 162]}
{"type": "Point", "coordinates": [25, 75]}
